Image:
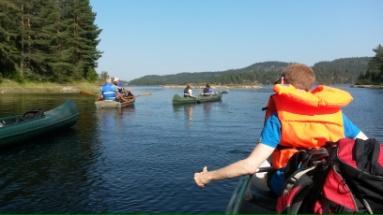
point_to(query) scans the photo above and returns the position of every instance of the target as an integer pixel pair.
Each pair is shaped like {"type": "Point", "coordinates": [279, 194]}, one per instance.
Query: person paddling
{"type": "Point", "coordinates": [208, 91]}
{"type": "Point", "coordinates": [296, 117]}
{"type": "Point", "coordinates": [108, 91]}
{"type": "Point", "coordinates": [123, 94]}
{"type": "Point", "coordinates": [188, 92]}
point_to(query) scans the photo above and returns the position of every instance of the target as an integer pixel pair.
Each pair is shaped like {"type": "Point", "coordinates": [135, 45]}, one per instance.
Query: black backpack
{"type": "Point", "coordinates": [343, 177]}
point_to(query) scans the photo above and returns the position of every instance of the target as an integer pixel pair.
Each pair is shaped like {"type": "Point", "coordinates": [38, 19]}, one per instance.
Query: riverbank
{"type": "Point", "coordinates": [12, 87]}
{"type": "Point", "coordinates": [228, 86]}
{"type": "Point", "coordinates": [368, 86]}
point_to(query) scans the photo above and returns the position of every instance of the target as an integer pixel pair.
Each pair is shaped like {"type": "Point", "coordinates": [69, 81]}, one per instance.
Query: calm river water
{"type": "Point", "coordinates": [142, 159]}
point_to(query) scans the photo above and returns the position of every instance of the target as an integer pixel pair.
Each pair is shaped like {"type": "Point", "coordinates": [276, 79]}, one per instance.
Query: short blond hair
{"type": "Point", "coordinates": [299, 75]}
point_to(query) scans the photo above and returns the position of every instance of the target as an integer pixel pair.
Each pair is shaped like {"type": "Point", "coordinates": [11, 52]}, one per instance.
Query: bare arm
{"type": "Point", "coordinates": [246, 166]}
{"type": "Point", "coordinates": [361, 135]}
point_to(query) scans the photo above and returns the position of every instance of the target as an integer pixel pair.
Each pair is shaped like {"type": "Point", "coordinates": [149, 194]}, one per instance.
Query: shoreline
{"type": "Point", "coordinates": [92, 89]}
{"type": "Point", "coordinates": [236, 86]}
{"type": "Point", "coordinates": [370, 86]}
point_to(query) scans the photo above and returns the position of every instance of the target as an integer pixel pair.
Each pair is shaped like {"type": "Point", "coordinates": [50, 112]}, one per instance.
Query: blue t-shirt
{"type": "Point", "coordinates": [271, 135]}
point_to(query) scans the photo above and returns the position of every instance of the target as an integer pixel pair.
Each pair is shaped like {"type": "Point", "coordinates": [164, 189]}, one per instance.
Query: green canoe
{"type": "Point", "coordinates": [249, 198]}
{"type": "Point", "coordinates": [18, 128]}
{"type": "Point", "coordinates": [179, 100]}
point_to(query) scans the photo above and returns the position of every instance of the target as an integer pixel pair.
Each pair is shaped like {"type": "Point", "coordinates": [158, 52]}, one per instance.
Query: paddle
{"type": "Point", "coordinates": [265, 169]}
{"type": "Point", "coordinates": [144, 94]}
{"type": "Point", "coordinates": [260, 169]}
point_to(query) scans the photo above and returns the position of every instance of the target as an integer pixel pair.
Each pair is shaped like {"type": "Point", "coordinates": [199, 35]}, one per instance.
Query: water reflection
{"type": "Point", "coordinates": [127, 110]}
{"type": "Point", "coordinates": [109, 119]}
{"type": "Point", "coordinates": [53, 172]}
{"type": "Point", "coordinates": [194, 112]}
{"type": "Point", "coordinates": [119, 161]}
{"type": "Point", "coordinates": [11, 105]}
{"type": "Point", "coordinates": [188, 112]}
{"type": "Point", "coordinates": [207, 107]}
{"type": "Point", "coordinates": [40, 164]}
{"type": "Point", "coordinates": [113, 124]}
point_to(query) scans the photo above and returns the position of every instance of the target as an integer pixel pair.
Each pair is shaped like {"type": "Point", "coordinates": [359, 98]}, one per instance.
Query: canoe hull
{"type": "Point", "coordinates": [63, 116]}
{"type": "Point", "coordinates": [178, 100]}
{"type": "Point", "coordinates": [114, 104]}
{"type": "Point", "coordinates": [251, 196]}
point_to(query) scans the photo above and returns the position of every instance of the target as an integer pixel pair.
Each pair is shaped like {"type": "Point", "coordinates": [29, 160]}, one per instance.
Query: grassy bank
{"type": "Point", "coordinates": [12, 87]}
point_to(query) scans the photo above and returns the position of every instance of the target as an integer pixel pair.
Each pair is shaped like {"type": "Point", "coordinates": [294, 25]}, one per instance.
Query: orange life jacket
{"type": "Point", "coordinates": [308, 119]}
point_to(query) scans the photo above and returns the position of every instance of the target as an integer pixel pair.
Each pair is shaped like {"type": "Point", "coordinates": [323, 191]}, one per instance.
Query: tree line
{"type": "Point", "coordinates": [345, 70]}
{"type": "Point", "coordinates": [48, 40]}
{"type": "Point", "coordinates": [374, 73]}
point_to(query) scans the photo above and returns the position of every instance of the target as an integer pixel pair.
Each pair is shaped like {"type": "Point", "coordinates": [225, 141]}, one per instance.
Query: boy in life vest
{"type": "Point", "coordinates": [296, 118]}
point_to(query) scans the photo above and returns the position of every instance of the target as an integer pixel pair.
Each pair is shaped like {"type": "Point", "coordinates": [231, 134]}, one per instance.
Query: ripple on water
{"type": "Point", "coordinates": [142, 159]}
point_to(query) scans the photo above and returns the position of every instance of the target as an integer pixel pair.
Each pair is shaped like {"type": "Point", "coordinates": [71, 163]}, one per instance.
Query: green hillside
{"type": "Point", "coordinates": [374, 73]}
{"type": "Point", "coordinates": [345, 70]}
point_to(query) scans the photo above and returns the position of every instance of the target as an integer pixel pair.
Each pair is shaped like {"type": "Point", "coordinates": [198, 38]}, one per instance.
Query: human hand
{"type": "Point", "coordinates": [202, 178]}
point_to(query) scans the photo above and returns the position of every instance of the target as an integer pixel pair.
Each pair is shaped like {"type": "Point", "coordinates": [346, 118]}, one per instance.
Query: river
{"type": "Point", "coordinates": [142, 159]}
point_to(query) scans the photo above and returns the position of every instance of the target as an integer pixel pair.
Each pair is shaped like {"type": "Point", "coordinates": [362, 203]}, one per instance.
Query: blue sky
{"type": "Point", "coordinates": [143, 37]}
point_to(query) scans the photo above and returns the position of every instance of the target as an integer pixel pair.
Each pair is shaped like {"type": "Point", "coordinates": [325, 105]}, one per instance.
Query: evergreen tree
{"type": "Point", "coordinates": [104, 75]}
{"type": "Point", "coordinates": [39, 39]}
{"type": "Point", "coordinates": [9, 31]}
{"type": "Point", "coordinates": [82, 46]}
{"type": "Point", "coordinates": [377, 64]}
{"type": "Point", "coordinates": [374, 73]}
{"type": "Point", "coordinates": [53, 40]}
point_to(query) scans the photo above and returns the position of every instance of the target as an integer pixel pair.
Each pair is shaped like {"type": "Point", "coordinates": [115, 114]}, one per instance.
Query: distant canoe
{"type": "Point", "coordinates": [18, 128]}
{"type": "Point", "coordinates": [178, 100]}
{"type": "Point", "coordinates": [113, 104]}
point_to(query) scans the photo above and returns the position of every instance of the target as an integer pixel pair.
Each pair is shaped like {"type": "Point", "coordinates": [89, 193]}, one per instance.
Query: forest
{"type": "Point", "coordinates": [48, 40]}
{"type": "Point", "coordinates": [374, 73]}
{"type": "Point", "coordinates": [56, 41]}
{"type": "Point", "coordinates": [345, 70]}
{"type": "Point", "coordinates": [354, 70]}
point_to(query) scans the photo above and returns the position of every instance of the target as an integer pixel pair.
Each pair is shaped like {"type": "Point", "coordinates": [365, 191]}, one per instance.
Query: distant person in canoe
{"type": "Point", "coordinates": [122, 93]}
{"type": "Point", "coordinates": [296, 117]}
{"type": "Point", "coordinates": [188, 92]}
{"type": "Point", "coordinates": [108, 91]}
{"type": "Point", "coordinates": [116, 81]}
{"type": "Point", "coordinates": [208, 91]}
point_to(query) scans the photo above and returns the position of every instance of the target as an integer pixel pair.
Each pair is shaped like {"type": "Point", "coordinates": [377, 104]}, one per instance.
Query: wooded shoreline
{"type": "Point", "coordinates": [368, 86]}
{"type": "Point", "coordinates": [92, 89]}
{"type": "Point", "coordinates": [224, 86]}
